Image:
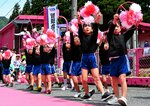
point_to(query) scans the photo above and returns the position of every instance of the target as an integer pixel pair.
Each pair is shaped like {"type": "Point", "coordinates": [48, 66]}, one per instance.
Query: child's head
{"type": "Point", "coordinates": [117, 29]}
{"type": "Point", "coordinates": [37, 50]}
{"type": "Point", "coordinates": [88, 28]}
{"type": "Point", "coordinates": [76, 40]}
{"type": "Point", "coordinates": [18, 56]}
{"type": "Point", "coordinates": [68, 46]}
{"type": "Point", "coordinates": [30, 51]}
{"type": "Point", "coordinates": [48, 47]}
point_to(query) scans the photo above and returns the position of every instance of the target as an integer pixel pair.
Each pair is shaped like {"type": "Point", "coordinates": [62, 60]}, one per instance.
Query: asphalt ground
{"type": "Point", "coordinates": [137, 96]}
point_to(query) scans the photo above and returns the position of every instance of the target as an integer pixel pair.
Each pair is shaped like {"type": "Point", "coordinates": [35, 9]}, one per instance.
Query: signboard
{"type": "Point", "coordinates": [52, 16]}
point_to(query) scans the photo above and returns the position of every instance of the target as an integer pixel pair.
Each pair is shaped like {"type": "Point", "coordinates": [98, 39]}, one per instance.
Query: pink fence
{"type": "Point", "coordinates": [140, 61]}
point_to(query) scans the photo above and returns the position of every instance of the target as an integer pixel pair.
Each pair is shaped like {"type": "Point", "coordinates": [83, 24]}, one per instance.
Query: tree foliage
{"type": "Point", "coordinates": [15, 12]}
{"type": "Point", "coordinates": [26, 8]}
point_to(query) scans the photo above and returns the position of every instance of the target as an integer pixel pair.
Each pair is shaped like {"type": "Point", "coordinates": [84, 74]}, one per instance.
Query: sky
{"type": "Point", "coordinates": [6, 6]}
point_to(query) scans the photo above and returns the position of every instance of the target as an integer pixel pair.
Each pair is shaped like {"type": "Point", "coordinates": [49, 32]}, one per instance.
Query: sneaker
{"type": "Point", "coordinates": [122, 101]}
{"type": "Point", "coordinates": [73, 89]}
{"type": "Point", "coordinates": [11, 84]}
{"type": "Point", "coordinates": [106, 96]}
{"type": "Point", "coordinates": [35, 89]}
{"type": "Point", "coordinates": [82, 89]}
{"type": "Point", "coordinates": [48, 92]}
{"type": "Point", "coordinates": [7, 84]}
{"type": "Point", "coordinates": [64, 88]}
{"type": "Point", "coordinates": [30, 88]}
{"type": "Point", "coordinates": [86, 97]}
{"type": "Point", "coordinates": [91, 92]}
{"type": "Point", "coordinates": [113, 101]}
{"type": "Point", "coordinates": [77, 95]}
{"type": "Point", "coordinates": [39, 89]}
{"type": "Point", "coordinates": [59, 85]}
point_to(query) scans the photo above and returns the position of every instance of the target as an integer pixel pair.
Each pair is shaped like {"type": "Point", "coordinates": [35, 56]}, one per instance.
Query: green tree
{"type": "Point", "coordinates": [26, 8]}
{"type": "Point", "coordinates": [15, 12]}
{"type": "Point", "coordinates": [37, 7]}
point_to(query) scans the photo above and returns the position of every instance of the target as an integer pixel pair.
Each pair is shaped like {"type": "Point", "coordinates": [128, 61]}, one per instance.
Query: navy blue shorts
{"type": "Point", "coordinates": [53, 69]}
{"type": "Point", "coordinates": [46, 69]}
{"type": "Point", "coordinates": [37, 70]}
{"type": "Point", "coordinates": [66, 67]}
{"type": "Point", "coordinates": [29, 69]}
{"type": "Point", "coordinates": [75, 68]}
{"type": "Point", "coordinates": [120, 66]}
{"type": "Point", "coordinates": [105, 69]}
{"type": "Point", "coordinates": [6, 71]}
{"type": "Point", "coordinates": [88, 61]}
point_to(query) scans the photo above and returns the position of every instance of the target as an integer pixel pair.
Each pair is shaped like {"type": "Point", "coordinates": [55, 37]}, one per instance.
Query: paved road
{"type": "Point", "coordinates": [137, 96]}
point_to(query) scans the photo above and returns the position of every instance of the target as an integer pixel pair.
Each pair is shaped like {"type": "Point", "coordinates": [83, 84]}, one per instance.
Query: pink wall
{"type": "Point", "coordinates": [7, 37]}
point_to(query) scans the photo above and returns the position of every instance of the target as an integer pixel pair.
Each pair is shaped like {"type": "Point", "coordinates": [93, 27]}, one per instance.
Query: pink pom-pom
{"type": "Point", "coordinates": [74, 22]}
{"type": "Point", "coordinates": [30, 42]}
{"type": "Point", "coordinates": [50, 33]}
{"type": "Point", "coordinates": [88, 20]}
{"type": "Point", "coordinates": [123, 16]}
{"type": "Point", "coordinates": [131, 17]}
{"type": "Point", "coordinates": [7, 54]}
{"type": "Point", "coordinates": [89, 9]}
{"type": "Point", "coordinates": [135, 7]}
{"type": "Point", "coordinates": [74, 29]}
{"type": "Point", "coordinates": [67, 34]}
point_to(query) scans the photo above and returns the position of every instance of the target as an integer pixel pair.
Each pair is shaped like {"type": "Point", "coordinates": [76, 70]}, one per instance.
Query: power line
{"type": "Point", "coordinates": [11, 9]}
{"type": "Point", "coordinates": [3, 4]}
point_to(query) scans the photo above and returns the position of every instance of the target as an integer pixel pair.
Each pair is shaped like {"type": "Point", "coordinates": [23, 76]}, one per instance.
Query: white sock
{"type": "Point", "coordinates": [71, 82]}
{"type": "Point", "coordinates": [65, 82]}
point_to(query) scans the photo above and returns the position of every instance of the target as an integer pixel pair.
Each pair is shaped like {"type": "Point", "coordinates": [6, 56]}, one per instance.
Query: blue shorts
{"type": "Point", "coordinates": [105, 69]}
{"type": "Point", "coordinates": [120, 66]}
{"type": "Point", "coordinates": [6, 71]}
{"type": "Point", "coordinates": [53, 69]}
{"type": "Point", "coordinates": [88, 61]}
{"type": "Point", "coordinates": [75, 68]}
{"type": "Point", "coordinates": [46, 69]}
{"type": "Point", "coordinates": [66, 67]}
{"type": "Point", "coordinates": [36, 69]}
{"type": "Point", "coordinates": [29, 69]}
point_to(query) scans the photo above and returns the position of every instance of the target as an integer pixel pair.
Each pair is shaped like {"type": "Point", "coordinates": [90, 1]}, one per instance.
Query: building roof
{"type": "Point", "coordinates": [34, 19]}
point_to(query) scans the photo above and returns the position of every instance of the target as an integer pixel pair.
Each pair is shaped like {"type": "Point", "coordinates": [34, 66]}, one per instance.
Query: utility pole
{"type": "Point", "coordinates": [73, 9]}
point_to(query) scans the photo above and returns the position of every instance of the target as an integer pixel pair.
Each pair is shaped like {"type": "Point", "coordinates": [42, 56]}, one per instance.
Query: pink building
{"type": "Point", "coordinates": [7, 33]}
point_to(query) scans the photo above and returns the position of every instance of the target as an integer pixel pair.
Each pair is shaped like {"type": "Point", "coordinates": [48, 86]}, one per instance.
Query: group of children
{"type": "Point", "coordinates": [80, 53]}
{"type": "Point", "coordinates": [80, 60]}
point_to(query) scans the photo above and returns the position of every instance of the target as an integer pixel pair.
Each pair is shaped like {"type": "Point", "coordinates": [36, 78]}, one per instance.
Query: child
{"type": "Point", "coordinates": [118, 57]}
{"type": "Point", "coordinates": [88, 37]}
{"type": "Point", "coordinates": [75, 71]}
{"type": "Point", "coordinates": [29, 67]}
{"type": "Point", "coordinates": [66, 49]}
{"type": "Point", "coordinates": [104, 61]}
{"type": "Point", "coordinates": [6, 61]}
{"type": "Point", "coordinates": [37, 67]}
{"type": "Point", "coordinates": [17, 64]}
{"type": "Point", "coordinates": [46, 52]}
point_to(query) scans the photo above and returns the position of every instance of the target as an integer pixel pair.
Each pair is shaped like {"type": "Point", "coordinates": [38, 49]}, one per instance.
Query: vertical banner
{"type": "Point", "coordinates": [45, 20]}
{"type": "Point", "coordinates": [52, 18]}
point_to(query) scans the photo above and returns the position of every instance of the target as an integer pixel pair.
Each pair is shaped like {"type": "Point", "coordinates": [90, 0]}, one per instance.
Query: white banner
{"type": "Point", "coordinates": [52, 18]}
